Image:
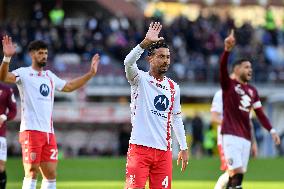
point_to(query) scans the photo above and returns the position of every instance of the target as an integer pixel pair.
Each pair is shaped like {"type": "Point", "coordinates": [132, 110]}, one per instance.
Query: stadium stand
{"type": "Point", "coordinates": [196, 44]}
{"type": "Point", "coordinates": [98, 27]}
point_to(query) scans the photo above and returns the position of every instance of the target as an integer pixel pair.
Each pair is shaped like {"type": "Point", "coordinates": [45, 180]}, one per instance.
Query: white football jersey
{"type": "Point", "coordinates": [153, 104]}
{"type": "Point", "coordinates": [217, 106]}
{"type": "Point", "coordinates": [217, 103]}
{"type": "Point", "coordinates": [152, 107]}
{"type": "Point", "coordinates": [37, 97]}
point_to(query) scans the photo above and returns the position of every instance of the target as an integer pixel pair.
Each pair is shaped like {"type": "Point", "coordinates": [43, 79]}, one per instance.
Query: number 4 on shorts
{"type": "Point", "coordinates": [165, 182]}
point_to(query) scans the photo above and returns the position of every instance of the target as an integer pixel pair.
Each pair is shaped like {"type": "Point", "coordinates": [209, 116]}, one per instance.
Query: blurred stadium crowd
{"type": "Point", "coordinates": [196, 45]}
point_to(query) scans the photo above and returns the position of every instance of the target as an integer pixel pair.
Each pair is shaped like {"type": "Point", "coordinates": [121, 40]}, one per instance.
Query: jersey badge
{"type": "Point", "coordinates": [161, 102]}
{"type": "Point", "coordinates": [44, 90]}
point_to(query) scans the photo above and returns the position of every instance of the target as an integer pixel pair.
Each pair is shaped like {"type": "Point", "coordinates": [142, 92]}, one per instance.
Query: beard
{"type": "Point", "coordinates": [41, 64]}
{"type": "Point", "coordinates": [244, 78]}
{"type": "Point", "coordinates": [162, 71]}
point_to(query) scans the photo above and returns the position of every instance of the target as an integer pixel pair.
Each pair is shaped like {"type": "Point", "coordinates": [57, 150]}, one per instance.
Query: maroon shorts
{"type": "Point", "coordinates": [145, 162]}
{"type": "Point", "coordinates": [38, 147]}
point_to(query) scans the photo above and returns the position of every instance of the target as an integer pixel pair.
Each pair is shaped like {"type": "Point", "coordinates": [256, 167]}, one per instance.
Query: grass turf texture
{"type": "Point", "coordinates": [108, 173]}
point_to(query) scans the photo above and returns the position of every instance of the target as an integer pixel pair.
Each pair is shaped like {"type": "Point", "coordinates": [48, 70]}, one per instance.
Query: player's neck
{"type": "Point", "coordinates": [37, 68]}
{"type": "Point", "coordinates": [241, 81]}
{"type": "Point", "coordinates": [156, 75]}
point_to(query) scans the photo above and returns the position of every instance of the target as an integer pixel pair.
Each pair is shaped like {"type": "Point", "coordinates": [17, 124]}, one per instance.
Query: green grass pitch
{"type": "Point", "coordinates": [108, 173]}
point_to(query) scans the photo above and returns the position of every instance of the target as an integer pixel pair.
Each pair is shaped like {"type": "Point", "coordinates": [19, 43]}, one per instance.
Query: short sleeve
{"type": "Point", "coordinates": [19, 73]}
{"type": "Point", "coordinates": [217, 102]}
{"type": "Point", "coordinates": [59, 83]}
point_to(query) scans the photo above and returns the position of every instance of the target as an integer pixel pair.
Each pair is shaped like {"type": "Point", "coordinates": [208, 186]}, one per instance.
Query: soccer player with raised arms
{"type": "Point", "coordinates": [239, 97]}
{"type": "Point", "coordinates": [36, 87]}
{"type": "Point", "coordinates": [217, 117]}
{"type": "Point", "coordinates": [155, 109]}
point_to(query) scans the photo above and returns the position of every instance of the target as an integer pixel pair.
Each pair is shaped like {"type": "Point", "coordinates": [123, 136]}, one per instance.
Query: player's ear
{"type": "Point", "coordinates": [31, 53]}
{"type": "Point", "coordinates": [237, 69]}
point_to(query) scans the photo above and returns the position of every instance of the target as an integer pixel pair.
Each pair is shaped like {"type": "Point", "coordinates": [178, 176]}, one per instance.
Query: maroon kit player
{"type": "Point", "coordinates": [239, 97]}
{"type": "Point", "coordinates": [8, 111]}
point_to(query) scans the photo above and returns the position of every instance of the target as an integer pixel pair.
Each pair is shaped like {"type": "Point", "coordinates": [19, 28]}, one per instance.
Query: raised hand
{"type": "Point", "coordinates": [230, 41]}
{"type": "Point", "coordinates": [9, 49]}
{"type": "Point", "coordinates": [152, 35]}
{"type": "Point", "coordinates": [95, 63]}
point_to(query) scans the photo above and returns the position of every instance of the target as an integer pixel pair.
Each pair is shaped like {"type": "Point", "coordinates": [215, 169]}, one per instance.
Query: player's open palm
{"type": "Point", "coordinates": [152, 34]}
{"type": "Point", "coordinates": [230, 41]}
{"type": "Point", "coordinates": [95, 63]}
{"type": "Point", "coordinates": [9, 49]}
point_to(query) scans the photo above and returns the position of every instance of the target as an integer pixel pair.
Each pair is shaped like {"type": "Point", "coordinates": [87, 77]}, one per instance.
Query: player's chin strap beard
{"type": "Point", "coordinates": [162, 72]}
{"type": "Point", "coordinates": [41, 65]}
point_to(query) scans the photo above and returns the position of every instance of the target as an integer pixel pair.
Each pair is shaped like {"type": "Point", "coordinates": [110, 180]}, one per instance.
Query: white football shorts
{"type": "Point", "coordinates": [236, 151]}
{"type": "Point", "coordinates": [3, 149]}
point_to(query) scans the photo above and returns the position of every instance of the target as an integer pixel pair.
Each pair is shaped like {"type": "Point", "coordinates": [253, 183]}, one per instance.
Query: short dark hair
{"type": "Point", "coordinates": [239, 62]}
{"type": "Point", "coordinates": [37, 45]}
{"type": "Point", "coordinates": [156, 45]}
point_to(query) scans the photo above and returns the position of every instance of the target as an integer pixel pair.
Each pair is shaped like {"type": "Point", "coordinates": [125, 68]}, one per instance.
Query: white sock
{"type": "Point", "coordinates": [29, 183]}
{"type": "Point", "coordinates": [48, 184]}
{"type": "Point", "coordinates": [222, 181]}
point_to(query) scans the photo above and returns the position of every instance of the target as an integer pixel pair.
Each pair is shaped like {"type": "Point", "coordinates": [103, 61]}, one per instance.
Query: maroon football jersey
{"type": "Point", "coordinates": [7, 106]}
{"type": "Point", "coordinates": [238, 100]}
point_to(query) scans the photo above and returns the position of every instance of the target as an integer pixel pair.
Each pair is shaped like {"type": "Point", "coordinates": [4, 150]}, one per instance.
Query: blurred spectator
{"type": "Point", "coordinates": [56, 15]}
{"type": "Point", "coordinates": [197, 135]}
{"type": "Point", "coordinates": [259, 136]}
{"type": "Point", "coordinates": [124, 136]}
{"type": "Point", "coordinates": [196, 45]}
{"type": "Point", "coordinates": [280, 148]}
{"type": "Point", "coordinates": [13, 151]}
{"type": "Point", "coordinates": [210, 140]}
{"type": "Point", "coordinates": [37, 14]}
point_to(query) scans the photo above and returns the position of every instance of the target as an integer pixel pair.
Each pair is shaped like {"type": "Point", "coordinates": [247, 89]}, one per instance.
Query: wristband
{"type": "Point", "coordinates": [3, 116]}
{"type": "Point", "coordinates": [272, 131]}
{"type": "Point", "coordinates": [7, 59]}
